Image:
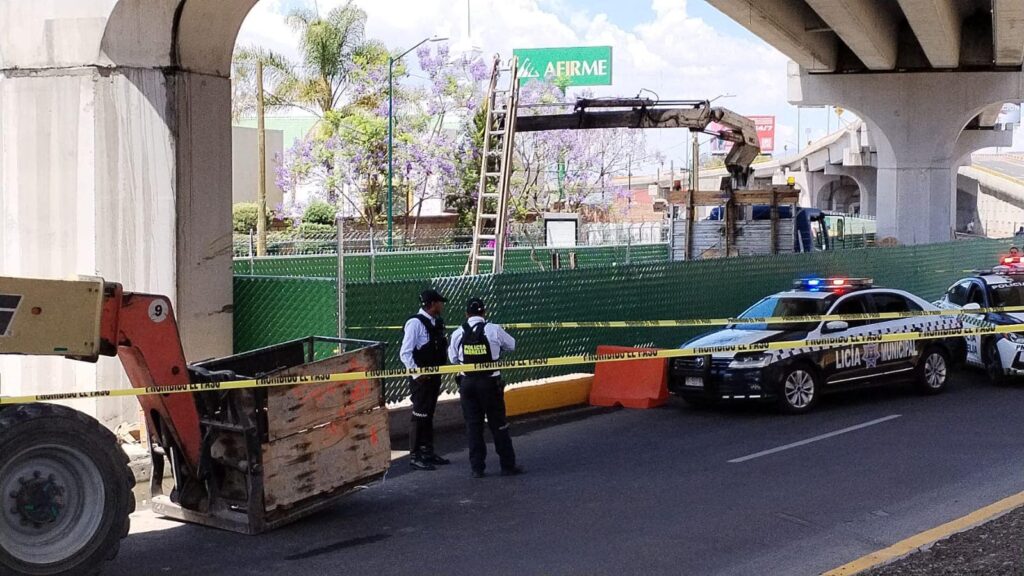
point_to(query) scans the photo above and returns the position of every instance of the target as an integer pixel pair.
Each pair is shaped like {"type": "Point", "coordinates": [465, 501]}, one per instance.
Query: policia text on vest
{"type": "Point", "coordinates": [424, 344]}
{"type": "Point", "coordinates": [483, 393]}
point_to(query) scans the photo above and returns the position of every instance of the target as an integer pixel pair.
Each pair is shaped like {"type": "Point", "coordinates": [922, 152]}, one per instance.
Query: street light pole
{"type": "Point", "coordinates": [391, 129]}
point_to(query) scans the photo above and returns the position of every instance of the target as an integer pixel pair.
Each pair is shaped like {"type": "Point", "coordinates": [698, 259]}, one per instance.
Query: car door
{"type": "Point", "coordinates": [845, 365]}
{"type": "Point", "coordinates": [976, 294]}
{"type": "Point", "coordinates": [957, 297]}
{"type": "Point", "coordinates": [894, 358]}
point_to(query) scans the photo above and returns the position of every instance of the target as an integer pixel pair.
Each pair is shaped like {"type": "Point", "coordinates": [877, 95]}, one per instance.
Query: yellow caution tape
{"type": "Point", "coordinates": [517, 364]}
{"type": "Point", "coordinates": [727, 321]}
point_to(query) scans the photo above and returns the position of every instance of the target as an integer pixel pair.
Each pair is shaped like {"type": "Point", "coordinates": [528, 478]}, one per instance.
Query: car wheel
{"type": "Point", "coordinates": [799, 390]}
{"type": "Point", "coordinates": [994, 364]}
{"type": "Point", "coordinates": [933, 371]}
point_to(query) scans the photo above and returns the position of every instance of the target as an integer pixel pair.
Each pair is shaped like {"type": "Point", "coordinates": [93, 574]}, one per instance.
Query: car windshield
{"type": "Point", "coordinates": [784, 306]}
{"type": "Point", "coordinates": [1008, 295]}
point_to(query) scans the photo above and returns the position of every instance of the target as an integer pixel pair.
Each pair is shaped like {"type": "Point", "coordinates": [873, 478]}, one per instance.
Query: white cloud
{"type": "Point", "coordinates": [673, 53]}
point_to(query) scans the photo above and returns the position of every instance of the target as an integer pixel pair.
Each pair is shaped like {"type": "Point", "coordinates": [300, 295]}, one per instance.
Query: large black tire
{"type": "Point", "coordinates": [799, 389]}
{"type": "Point", "coordinates": [65, 490]}
{"type": "Point", "coordinates": [932, 372]}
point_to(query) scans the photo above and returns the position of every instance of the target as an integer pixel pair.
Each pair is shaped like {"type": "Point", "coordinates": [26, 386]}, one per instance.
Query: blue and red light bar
{"type": "Point", "coordinates": [834, 283]}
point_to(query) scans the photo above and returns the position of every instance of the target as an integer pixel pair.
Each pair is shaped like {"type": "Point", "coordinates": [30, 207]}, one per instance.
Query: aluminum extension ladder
{"type": "Point", "coordinates": [489, 232]}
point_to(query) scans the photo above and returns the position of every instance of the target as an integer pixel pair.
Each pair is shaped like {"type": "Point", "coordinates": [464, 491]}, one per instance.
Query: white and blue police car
{"type": "Point", "coordinates": [796, 378]}
{"type": "Point", "coordinates": [1000, 355]}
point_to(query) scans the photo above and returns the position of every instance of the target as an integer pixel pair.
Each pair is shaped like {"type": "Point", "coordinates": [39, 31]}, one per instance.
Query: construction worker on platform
{"type": "Point", "coordinates": [423, 346]}
{"type": "Point", "coordinates": [483, 393]}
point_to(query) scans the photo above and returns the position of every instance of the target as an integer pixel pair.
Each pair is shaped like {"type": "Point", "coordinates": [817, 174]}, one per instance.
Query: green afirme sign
{"type": "Point", "coordinates": [579, 66]}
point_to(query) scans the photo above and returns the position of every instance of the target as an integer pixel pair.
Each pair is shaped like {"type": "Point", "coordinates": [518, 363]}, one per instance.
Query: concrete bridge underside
{"type": "Point", "coordinates": [115, 159]}
{"type": "Point", "coordinates": [927, 76]}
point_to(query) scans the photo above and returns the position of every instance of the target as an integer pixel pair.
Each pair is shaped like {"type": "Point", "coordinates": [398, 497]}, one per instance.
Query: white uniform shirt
{"type": "Point", "coordinates": [497, 337]}
{"type": "Point", "coordinates": [415, 336]}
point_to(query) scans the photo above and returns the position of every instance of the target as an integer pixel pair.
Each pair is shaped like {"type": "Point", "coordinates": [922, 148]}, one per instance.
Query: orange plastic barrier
{"type": "Point", "coordinates": [631, 383]}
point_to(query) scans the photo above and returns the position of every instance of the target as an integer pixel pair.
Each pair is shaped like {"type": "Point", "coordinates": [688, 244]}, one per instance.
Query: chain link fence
{"type": "Point", "coordinates": [271, 310]}
{"type": "Point", "coordinates": [438, 263]}
{"type": "Point", "coordinates": [521, 235]}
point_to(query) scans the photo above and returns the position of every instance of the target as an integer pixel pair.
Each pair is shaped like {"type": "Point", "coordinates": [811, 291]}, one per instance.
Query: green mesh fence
{"type": "Point", "coordinates": [274, 310]}
{"type": "Point", "coordinates": [676, 290]}
{"type": "Point", "coordinates": [440, 263]}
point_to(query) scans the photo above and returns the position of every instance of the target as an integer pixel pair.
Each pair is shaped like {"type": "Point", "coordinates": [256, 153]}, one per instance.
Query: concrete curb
{"type": "Point", "coordinates": [521, 399]}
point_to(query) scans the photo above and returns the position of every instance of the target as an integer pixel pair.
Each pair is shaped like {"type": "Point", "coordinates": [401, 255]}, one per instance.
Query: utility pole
{"type": "Point", "coordinates": [261, 194]}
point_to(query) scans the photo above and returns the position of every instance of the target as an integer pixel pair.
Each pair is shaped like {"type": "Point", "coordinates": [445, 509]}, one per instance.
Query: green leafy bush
{"type": "Point", "coordinates": [244, 216]}
{"type": "Point", "coordinates": [319, 213]}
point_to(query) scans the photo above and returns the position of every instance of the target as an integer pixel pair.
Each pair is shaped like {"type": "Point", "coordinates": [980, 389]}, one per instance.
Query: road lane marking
{"type": "Point", "coordinates": [928, 537]}
{"type": "Point", "coordinates": [993, 172]}
{"type": "Point", "coordinates": [810, 440]}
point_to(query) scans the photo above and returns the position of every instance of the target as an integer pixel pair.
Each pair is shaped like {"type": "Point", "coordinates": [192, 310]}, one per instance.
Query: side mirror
{"type": "Point", "coordinates": [835, 326]}
{"type": "Point", "coordinates": [971, 306]}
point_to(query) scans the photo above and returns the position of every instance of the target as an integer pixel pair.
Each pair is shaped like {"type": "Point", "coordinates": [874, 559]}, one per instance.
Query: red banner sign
{"type": "Point", "coordinates": [765, 134]}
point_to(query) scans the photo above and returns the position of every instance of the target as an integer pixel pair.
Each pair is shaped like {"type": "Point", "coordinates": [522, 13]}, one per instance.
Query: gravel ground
{"type": "Point", "coordinates": [994, 548]}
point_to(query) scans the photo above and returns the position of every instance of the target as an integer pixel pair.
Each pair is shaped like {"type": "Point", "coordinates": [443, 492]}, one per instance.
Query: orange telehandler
{"type": "Point", "coordinates": [246, 460]}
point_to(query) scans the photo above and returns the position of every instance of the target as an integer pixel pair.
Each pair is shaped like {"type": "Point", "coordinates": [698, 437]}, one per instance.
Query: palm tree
{"type": "Point", "coordinates": [333, 52]}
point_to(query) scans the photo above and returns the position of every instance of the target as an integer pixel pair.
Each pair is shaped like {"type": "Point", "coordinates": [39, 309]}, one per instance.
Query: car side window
{"type": "Point", "coordinates": [853, 305]}
{"type": "Point", "coordinates": [976, 295]}
{"type": "Point", "coordinates": [958, 293]}
{"type": "Point", "coordinates": [894, 303]}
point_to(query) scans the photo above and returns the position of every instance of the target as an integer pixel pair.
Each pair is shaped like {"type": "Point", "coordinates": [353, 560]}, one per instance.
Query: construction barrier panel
{"type": "Point", "coordinates": [633, 384]}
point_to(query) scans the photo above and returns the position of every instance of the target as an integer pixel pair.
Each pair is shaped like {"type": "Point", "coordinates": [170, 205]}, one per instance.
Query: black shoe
{"type": "Point", "coordinates": [419, 463]}
{"type": "Point", "coordinates": [478, 474]}
{"type": "Point", "coordinates": [513, 471]}
{"type": "Point", "coordinates": [435, 459]}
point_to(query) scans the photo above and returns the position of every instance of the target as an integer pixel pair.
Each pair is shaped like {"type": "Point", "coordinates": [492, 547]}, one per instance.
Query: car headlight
{"type": "Point", "coordinates": [748, 361]}
{"type": "Point", "coordinates": [1015, 337]}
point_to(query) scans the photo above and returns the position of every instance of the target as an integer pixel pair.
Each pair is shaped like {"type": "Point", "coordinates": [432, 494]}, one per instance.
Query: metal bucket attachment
{"type": "Point", "coordinates": [273, 455]}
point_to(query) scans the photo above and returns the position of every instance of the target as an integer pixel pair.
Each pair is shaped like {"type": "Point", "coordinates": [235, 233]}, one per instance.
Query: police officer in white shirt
{"type": "Point", "coordinates": [483, 393]}
{"type": "Point", "coordinates": [423, 346]}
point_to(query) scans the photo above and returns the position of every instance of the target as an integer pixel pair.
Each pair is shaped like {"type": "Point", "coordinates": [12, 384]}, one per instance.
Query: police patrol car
{"type": "Point", "coordinates": [1000, 355]}
{"type": "Point", "coordinates": [796, 378]}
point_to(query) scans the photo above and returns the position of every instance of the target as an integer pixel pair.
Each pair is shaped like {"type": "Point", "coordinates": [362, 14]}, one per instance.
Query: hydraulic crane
{"type": "Point", "coordinates": [504, 122]}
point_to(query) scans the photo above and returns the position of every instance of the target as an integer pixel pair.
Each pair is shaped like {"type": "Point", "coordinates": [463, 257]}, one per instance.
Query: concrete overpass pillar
{"type": "Point", "coordinates": [917, 120]}
{"type": "Point", "coordinates": [867, 181]}
{"type": "Point", "coordinates": [115, 160]}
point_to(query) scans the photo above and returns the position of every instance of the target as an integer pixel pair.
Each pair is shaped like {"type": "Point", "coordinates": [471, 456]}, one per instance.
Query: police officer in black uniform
{"type": "Point", "coordinates": [483, 393]}
{"type": "Point", "coordinates": [424, 345]}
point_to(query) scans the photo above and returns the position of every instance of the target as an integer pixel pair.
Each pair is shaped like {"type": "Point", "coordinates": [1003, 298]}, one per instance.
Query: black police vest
{"type": "Point", "coordinates": [435, 351]}
{"type": "Point", "coordinates": [475, 347]}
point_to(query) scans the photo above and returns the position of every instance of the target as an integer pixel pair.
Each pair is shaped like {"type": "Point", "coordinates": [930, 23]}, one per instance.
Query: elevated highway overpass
{"type": "Point", "coordinates": [927, 77]}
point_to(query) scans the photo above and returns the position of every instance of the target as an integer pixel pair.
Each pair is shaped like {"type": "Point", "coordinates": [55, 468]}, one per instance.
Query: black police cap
{"type": "Point", "coordinates": [475, 306]}
{"type": "Point", "coordinates": [428, 297]}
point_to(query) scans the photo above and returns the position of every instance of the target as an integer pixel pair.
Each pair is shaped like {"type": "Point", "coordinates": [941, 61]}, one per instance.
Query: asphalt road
{"type": "Point", "coordinates": [651, 492]}
{"type": "Point", "coordinates": [1011, 168]}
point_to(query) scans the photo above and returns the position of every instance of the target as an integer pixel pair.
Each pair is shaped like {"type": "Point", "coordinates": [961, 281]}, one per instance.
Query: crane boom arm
{"type": "Point", "coordinates": [694, 115]}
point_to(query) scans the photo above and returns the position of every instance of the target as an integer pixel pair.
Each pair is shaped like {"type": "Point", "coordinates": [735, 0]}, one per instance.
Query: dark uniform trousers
{"type": "Point", "coordinates": [483, 397]}
{"type": "Point", "coordinates": [423, 393]}
{"type": "Point", "coordinates": [425, 389]}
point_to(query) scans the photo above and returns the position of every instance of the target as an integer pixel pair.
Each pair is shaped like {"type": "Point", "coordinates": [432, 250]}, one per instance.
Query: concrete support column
{"type": "Point", "coordinates": [866, 178]}
{"type": "Point", "coordinates": [115, 160]}
{"type": "Point", "coordinates": [916, 121]}
{"type": "Point", "coordinates": [204, 280]}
